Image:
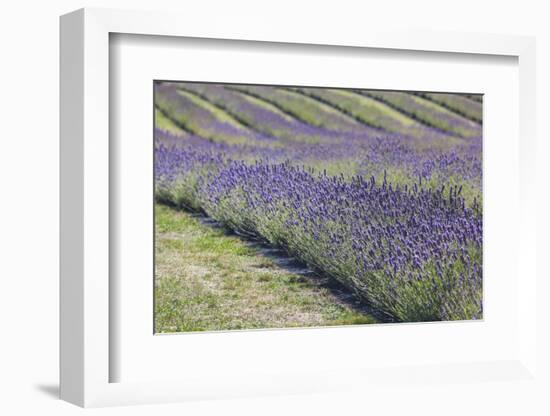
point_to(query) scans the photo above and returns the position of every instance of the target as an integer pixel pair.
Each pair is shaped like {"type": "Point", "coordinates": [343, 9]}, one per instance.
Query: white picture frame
{"type": "Point", "coordinates": [86, 355]}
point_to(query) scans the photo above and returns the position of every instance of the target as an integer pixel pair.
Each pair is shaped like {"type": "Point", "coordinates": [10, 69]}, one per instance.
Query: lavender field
{"type": "Point", "coordinates": [376, 193]}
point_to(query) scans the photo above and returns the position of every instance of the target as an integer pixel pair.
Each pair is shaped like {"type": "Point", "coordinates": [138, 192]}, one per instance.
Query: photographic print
{"type": "Point", "coordinates": [294, 206]}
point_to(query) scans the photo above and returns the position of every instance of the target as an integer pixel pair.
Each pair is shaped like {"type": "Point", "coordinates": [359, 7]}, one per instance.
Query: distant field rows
{"type": "Point", "coordinates": [429, 112]}
{"type": "Point", "coordinates": [244, 114]}
{"type": "Point", "coordinates": [467, 107]}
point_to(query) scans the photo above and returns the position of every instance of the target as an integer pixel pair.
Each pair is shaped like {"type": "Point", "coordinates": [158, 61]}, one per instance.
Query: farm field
{"type": "Point", "coordinates": [377, 194]}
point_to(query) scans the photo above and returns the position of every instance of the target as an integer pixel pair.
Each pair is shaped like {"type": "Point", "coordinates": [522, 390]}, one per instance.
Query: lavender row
{"type": "Point", "coordinates": [410, 251]}
{"type": "Point", "coordinates": [404, 160]}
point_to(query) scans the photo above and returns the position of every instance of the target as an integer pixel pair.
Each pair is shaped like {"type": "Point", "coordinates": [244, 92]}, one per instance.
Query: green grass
{"type": "Point", "coordinates": [207, 280]}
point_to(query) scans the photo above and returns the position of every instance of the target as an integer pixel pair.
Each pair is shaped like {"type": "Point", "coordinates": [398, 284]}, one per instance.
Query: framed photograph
{"type": "Point", "coordinates": [284, 206]}
{"type": "Point", "coordinates": [279, 212]}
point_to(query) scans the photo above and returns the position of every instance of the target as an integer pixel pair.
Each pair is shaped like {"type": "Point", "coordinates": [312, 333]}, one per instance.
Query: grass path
{"type": "Point", "coordinates": [207, 280]}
